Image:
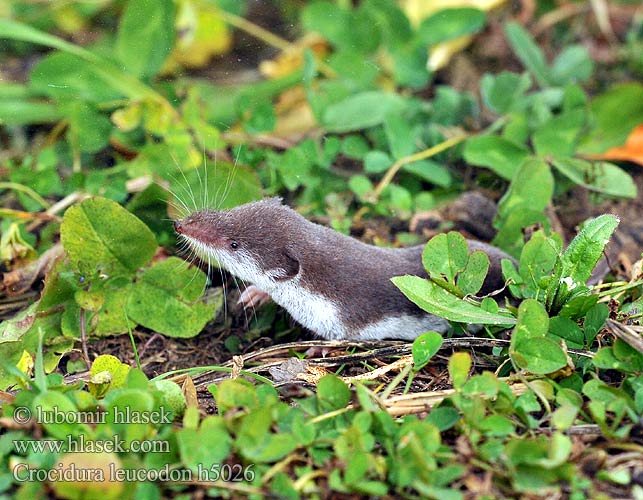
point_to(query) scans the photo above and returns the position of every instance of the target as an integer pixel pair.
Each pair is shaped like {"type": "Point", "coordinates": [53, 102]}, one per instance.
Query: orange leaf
{"type": "Point", "coordinates": [632, 150]}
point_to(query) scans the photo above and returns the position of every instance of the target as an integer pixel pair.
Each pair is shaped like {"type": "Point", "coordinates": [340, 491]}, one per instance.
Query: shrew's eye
{"type": "Point", "coordinates": [234, 245]}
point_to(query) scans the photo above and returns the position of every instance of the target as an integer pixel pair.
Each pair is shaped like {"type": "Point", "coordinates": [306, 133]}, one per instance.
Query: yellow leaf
{"type": "Point", "coordinates": [201, 34]}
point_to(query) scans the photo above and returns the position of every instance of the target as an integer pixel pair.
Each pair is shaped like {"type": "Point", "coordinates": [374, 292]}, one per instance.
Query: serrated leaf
{"type": "Point", "coordinates": [435, 300]}
{"type": "Point", "coordinates": [100, 234]}
{"type": "Point", "coordinates": [586, 248]}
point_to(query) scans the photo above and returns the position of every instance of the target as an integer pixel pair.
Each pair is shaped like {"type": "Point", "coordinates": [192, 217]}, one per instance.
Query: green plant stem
{"type": "Point", "coordinates": [422, 155]}
{"type": "Point", "coordinates": [26, 190]}
{"type": "Point", "coordinates": [203, 369]}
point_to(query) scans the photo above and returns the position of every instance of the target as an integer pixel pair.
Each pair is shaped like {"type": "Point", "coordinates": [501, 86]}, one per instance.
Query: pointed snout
{"type": "Point", "coordinates": [178, 226]}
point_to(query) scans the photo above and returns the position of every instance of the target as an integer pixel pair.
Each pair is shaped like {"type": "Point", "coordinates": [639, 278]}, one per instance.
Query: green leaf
{"type": "Point", "coordinates": [459, 367]}
{"type": "Point", "coordinates": [470, 281]}
{"type": "Point", "coordinates": [528, 52]}
{"type": "Point", "coordinates": [430, 171]}
{"type": "Point", "coordinates": [424, 348]}
{"type": "Point", "coordinates": [400, 136]}
{"type": "Point", "coordinates": [496, 153]}
{"type": "Point", "coordinates": [586, 248]}
{"type": "Point", "coordinates": [445, 255]}
{"type": "Point", "coordinates": [530, 349]}
{"type": "Point", "coordinates": [594, 321]}
{"type": "Point", "coordinates": [539, 356]}
{"type": "Point", "coordinates": [362, 110]}
{"type": "Point", "coordinates": [65, 76]}
{"type": "Point", "coordinates": [447, 24]}
{"type": "Point", "coordinates": [504, 92]}
{"type": "Point", "coordinates": [100, 234]}
{"type": "Point", "coordinates": [558, 136]}
{"type": "Point", "coordinates": [205, 447]}
{"type": "Point", "coordinates": [573, 64]}
{"type": "Point", "coordinates": [332, 392]}
{"type": "Point", "coordinates": [88, 130]}
{"type": "Point", "coordinates": [532, 187]}
{"type": "Point", "coordinates": [165, 299]}
{"type": "Point", "coordinates": [145, 36]}
{"type": "Point", "coordinates": [613, 114]}
{"type": "Point", "coordinates": [376, 162]}
{"type": "Point", "coordinates": [533, 321]}
{"type": "Point", "coordinates": [568, 330]}
{"type": "Point", "coordinates": [600, 176]}
{"type": "Point", "coordinates": [436, 300]}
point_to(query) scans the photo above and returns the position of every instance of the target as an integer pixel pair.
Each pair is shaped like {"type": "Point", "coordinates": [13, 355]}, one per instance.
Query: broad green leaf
{"type": "Point", "coordinates": [532, 187]}
{"type": "Point", "coordinates": [459, 366]}
{"type": "Point", "coordinates": [100, 234]}
{"type": "Point", "coordinates": [376, 162]}
{"type": "Point", "coordinates": [400, 136]}
{"type": "Point", "coordinates": [537, 260]}
{"type": "Point", "coordinates": [424, 348]}
{"type": "Point", "coordinates": [496, 153]}
{"type": "Point", "coordinates": [89, 130]}
{"type": "Point", "coordinates": [504, 92]}
{"type": "Point", "coordinates": [528, 52]}
{"type": "Point", "coordinates": [445, 255]}
{"type": "Point", "coordinates": [470, 281]}
{"type": "Point", "coordinates": [594, 321]}
{"type": "Point", "coordinates": [533, 321]}
{"type": "Point", "coordinates": [61, 75]}
{"type": "Point", "coordinates": [586, 248]}
{"type": "Point", "coordinates": [435, 300]}
{"type": "Point", "coordinates": [165, 299]}
{"type": "Point", "coordinates": [52, 404]}
{"type": "Point", "coordinates": [145, 36]}
{"type": "Point", "coordinates": [205, 447]}
{"type": "Point", "coordinates": [104, 69]}
{"type": "Point", "coordinates": [362, 110]}
{"type": "Point", "coordinates": [447, 24]}
{"type": "Point", "coordinates": [613, 115]}
{"type": "Point", "coordinates": [332, 392]}
{"type": "Point", "coordinates": [573, 64]}
{"type": "Point", "coordinates": [530, 349]}
{"type": "Point", "coordinates": [558, 136]}
{"type": "Point", "coordinates": [430, 171]}
{"type": "Point", "coordinates": [539, 356]}
{"type": "Point", "coordinates": [568, 330]}
{"type": "Point", "coordinates": [600, 176]}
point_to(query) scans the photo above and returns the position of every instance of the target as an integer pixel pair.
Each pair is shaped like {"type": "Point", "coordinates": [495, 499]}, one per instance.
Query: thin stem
{"type": "Point", "coordinates": [422, 155]}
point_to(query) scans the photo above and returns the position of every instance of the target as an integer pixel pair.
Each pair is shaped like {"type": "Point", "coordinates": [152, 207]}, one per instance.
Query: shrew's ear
{"type": "Point", "coordinates": [275, 200]}
{"type": "Point", "coordinates": [289, 266]}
